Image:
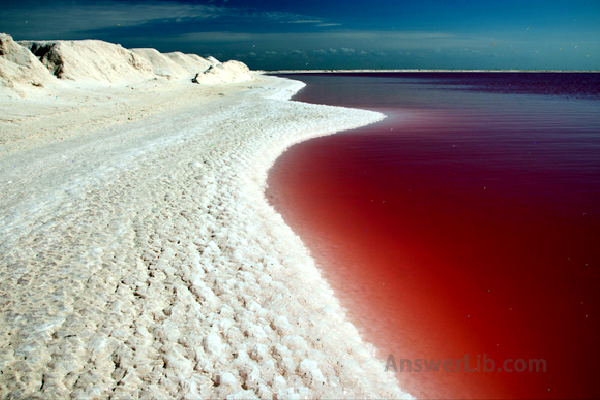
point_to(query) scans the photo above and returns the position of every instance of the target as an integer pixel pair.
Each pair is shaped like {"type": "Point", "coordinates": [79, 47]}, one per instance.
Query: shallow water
{"type": "Point", "coordinates": [465, 223]}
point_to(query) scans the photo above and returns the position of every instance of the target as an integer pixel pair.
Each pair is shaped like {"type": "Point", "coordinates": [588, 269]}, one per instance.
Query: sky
{"type": "Point", "coordinates": [332, 34]}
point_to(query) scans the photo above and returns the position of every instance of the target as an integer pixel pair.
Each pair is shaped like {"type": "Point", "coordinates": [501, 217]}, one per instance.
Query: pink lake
{"type": "Point", "coordinates": [465, 223]}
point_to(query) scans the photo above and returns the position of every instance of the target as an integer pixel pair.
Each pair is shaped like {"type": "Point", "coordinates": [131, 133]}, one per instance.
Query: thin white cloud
{"type": "Point", "coordinates": [289, 18]}
{"type": "Point", "coordinates": [57, 20]}
{"type": "Point", "coordinates": [347, 51]}
{"type": "Point", "coordinates": [212, 37]}
{"type": "Point", "coordinates": [304, 22]}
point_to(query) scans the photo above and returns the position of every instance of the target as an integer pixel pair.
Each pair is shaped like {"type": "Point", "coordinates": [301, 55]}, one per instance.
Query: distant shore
{"type": "Point", "coordinates": [345, 71]}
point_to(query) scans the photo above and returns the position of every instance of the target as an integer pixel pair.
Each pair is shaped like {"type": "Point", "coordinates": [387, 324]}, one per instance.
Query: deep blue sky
{"type": "Point", "coordinates": [332, 34]}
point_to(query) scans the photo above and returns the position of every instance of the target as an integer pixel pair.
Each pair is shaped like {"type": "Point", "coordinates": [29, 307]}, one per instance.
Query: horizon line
{"type": "Point", "coordinates": [329, 71]}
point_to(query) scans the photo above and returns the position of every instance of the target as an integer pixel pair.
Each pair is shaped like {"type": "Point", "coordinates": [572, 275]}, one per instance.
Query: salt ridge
{"type": "Point", "coordinates": [34, 64]}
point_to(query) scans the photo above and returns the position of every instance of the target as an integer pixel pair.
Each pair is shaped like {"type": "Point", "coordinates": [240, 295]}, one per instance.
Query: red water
{"type": "Point", "coordinates": [445, 231]}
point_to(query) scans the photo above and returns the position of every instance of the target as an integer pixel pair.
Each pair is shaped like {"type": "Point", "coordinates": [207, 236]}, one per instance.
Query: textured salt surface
{"type": "Point", "coordinates": [141, 260]}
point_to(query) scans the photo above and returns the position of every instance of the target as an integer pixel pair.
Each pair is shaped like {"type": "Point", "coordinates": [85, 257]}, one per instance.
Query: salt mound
{"type": "Point", "coordinates": [18, 66]}
{"type": "Point", "coordinates": [161, 65]}
{"type": "Point", "coordinates": [174, 65]}
{"type": "Point", "coordinates": [190, 62]}
{"type": "Point", "coordinates": [90, 60]}
{"type": "Point", "coordinates": [200, 59]}
{"type": "Point", "coordinates": [36, 62]}
{"type": "Point", "coordinates": [229, 71]}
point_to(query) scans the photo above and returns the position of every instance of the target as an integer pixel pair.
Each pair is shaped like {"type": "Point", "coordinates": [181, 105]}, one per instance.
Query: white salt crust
{"type": "Point", "coordinates": [142, 260]}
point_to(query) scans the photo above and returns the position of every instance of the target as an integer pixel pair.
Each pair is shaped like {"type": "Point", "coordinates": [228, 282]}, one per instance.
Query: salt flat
{"type": "Point", "coordinates": [139, 257]}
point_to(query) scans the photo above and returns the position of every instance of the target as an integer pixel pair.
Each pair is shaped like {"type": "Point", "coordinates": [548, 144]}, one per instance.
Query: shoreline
{"type": "Point", "coordinates": [159, 269]}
